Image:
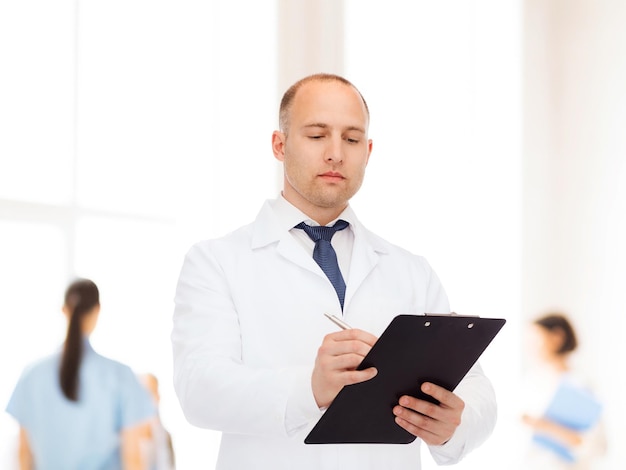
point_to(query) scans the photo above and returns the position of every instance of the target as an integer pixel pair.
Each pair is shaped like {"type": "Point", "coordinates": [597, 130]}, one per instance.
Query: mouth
{"type": "Point", "coordinates": [332, 176]}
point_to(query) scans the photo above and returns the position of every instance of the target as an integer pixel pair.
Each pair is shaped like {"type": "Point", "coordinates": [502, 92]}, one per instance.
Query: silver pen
{"type": "Point", "coordinates": [338, 321]}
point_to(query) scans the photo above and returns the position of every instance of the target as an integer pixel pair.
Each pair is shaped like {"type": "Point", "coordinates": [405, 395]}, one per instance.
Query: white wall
{"type": "Point", "coordinates": [128, 130]}
{"type": "Point", "coordinates": [574, 180]}
{"type": "Point", "coordinates": [443, 82]}
{"type": "Point", "coordinates": [131, 129]}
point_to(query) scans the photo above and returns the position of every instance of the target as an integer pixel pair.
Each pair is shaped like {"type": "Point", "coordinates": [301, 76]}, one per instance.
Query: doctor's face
{"type": "Point", "coordinates": [325, 148]}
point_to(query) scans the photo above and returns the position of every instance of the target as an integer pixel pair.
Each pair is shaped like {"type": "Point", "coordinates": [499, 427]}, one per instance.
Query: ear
{"type": "Point", "coordinates": [369, 150]}
{"type": "Point", "coordinates": [278, 145]}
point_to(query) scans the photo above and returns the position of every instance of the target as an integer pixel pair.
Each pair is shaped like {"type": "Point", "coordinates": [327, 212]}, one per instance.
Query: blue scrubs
{"type": "Point", "coordinates": [85, 434]}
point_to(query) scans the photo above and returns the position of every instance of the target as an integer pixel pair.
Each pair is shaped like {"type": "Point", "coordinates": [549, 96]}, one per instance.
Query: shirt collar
{"type": "Point", "coordinates": [289, 215]}
{"type": "Point", "coordinates": [87, 347]}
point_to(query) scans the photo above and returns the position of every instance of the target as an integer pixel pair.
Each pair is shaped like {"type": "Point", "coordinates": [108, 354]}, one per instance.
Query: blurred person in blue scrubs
{"type": "Point", "coordinates": [76, 409]}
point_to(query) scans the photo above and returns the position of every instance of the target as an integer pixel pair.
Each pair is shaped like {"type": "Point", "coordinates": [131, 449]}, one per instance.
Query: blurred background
{"type": "Point", "coordinates": [130, 129]}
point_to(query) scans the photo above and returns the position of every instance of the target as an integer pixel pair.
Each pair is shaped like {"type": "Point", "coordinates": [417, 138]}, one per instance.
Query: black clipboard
{"type": "Point", "coordinates": [412, 350]}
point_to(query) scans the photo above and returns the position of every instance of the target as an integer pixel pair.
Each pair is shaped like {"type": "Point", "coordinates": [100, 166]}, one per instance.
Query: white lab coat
{"type": "Point", "coordinates": [247, 325]}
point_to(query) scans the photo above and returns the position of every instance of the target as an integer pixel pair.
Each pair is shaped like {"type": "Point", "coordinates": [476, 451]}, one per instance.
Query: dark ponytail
{"type": "Point", "coordinates": [80, 298]}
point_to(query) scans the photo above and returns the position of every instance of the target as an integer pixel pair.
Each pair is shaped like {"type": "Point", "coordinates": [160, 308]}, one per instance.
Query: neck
{"type": "Point", "coordinates": [321, 215]}
{"type": "Point", "coordinates": [559, 363]}
{"type": "Point", "coordinates": [324, 220]}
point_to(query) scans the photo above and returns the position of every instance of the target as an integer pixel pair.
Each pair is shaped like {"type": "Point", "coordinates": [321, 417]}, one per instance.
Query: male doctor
{"type": "Point", "coordinates": [254, 356]}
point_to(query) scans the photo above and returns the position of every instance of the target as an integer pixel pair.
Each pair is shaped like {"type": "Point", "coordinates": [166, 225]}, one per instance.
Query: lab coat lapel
{"type": "Point", "coordinates": [365, 256]}
{"type": "Point", "coordinates": [365, 252]}
{"type": "Point", "coordinates": [267, 230]}
{"type": "Point", "coordinates": [289, 248]}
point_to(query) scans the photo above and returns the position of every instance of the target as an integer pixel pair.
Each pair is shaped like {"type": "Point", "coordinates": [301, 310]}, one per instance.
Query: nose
{"type": "Point", "coordinates": [334, 151]}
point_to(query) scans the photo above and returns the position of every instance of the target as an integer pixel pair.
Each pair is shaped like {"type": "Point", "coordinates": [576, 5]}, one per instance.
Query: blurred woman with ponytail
{"type": "Point", "coordinates": [77, 409]}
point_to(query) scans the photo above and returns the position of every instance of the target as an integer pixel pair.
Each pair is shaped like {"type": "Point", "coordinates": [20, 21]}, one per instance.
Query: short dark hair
{"type": "Point", "coordinates": [557, 321]}
{"type": "Point", "coordinates": [288, 97]}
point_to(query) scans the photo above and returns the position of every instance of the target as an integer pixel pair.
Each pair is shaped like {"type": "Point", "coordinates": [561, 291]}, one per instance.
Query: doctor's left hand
{"type": "Point", "coordinates": [434, 424]}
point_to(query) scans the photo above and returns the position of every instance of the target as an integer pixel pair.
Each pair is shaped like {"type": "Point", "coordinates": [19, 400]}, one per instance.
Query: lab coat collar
{"type": "Point", "coordinates": [269, 228]}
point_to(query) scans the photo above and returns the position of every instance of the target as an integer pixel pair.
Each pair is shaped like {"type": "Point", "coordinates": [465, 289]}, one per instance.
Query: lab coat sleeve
{"type": "Point", "coordinates": [215, 388]}
{"type": "Point", "coordinates": [477, 421]}
{"type": "Point", "coordinates": [479, 415]}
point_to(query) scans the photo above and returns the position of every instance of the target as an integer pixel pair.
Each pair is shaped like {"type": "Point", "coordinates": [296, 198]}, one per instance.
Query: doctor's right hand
{"type": "Point", "coordinates": [336, 362]}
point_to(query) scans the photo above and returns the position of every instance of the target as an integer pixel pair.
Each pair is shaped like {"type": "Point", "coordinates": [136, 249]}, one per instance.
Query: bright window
{"type": "Point", "coordinates": [128, 130]}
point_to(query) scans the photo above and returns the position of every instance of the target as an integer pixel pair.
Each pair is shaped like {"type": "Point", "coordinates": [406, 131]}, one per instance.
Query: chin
{"type": "Point", "coordinates": [330, 202]}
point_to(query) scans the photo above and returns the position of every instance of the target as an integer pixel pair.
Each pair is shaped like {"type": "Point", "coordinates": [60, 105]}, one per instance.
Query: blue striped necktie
{"type": "Point", "coordinates": [324, 253]}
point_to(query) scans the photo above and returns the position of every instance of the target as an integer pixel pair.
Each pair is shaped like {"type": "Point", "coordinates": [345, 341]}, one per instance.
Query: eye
{"type": "Point", "coordinates": [353, 141]}
{"type": "Point", "coordinates": [316, 137]}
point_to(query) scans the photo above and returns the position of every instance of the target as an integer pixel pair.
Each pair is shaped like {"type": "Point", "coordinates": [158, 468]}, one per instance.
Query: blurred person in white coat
{"type": "Point", "coordinates": [554, 382]}
{"type": "Point", "coordinates": [255, 358]}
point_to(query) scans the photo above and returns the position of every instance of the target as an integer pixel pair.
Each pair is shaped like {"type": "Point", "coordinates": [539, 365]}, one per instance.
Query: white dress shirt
{"type": "Point", "coordinates": [342, 240]}
{"type": "Point", "coordinates": [248, 322]}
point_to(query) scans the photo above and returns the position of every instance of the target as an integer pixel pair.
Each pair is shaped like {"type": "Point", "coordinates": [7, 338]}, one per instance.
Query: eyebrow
{"type": "Point", "coordinates": [322, 125]}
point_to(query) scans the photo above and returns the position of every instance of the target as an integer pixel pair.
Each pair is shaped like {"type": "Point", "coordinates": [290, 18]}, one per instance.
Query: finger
{"type": "Point", "coordinates": [437, 412]}
{"type": "Point", "coordinates": [422, 407]}
{"type": "Point", "coordinates": [425, 435]}
{"type": "Point", "coordinates": [446, 398]}
{"type": "Point", "coordinates": [341, 362]}
{"type": "Point", "coordinates": [350, 355]}
{"type": "Point", "coordinates": [334, 347]}
{"type": "Point", "coordinates": [353, 334]}
{"type": "Point", "coordinates": [421, 425]}
{"type": "Point", "coordinates": [341, 378]}
{"type": "Point", "coordinates": [351, 377]}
